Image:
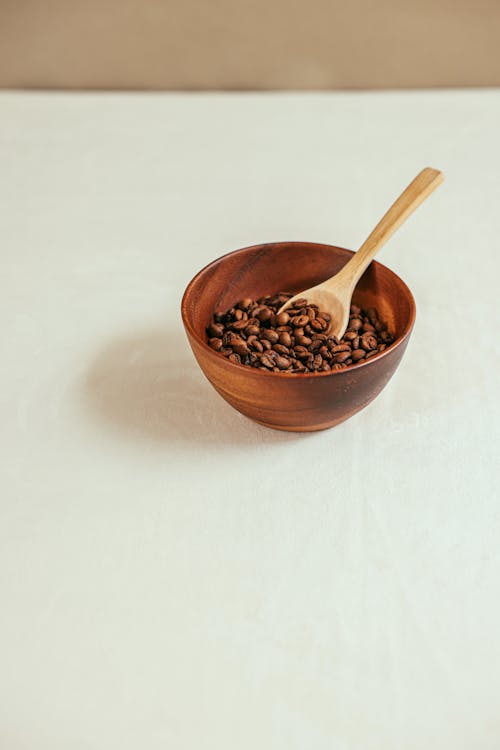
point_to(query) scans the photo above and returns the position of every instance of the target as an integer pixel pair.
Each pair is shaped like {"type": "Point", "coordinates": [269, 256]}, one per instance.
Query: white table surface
{"type": "Point", "coordinates": [173, 575]}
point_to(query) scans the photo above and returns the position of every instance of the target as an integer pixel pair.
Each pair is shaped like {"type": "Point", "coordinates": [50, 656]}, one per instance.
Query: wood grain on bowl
{"type": "Point", "coordinates": [304, 402]}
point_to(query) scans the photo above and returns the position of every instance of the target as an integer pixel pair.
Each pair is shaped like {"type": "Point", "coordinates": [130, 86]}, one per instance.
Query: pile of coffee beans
{"type": "Point", "coordinates": [253, 333]}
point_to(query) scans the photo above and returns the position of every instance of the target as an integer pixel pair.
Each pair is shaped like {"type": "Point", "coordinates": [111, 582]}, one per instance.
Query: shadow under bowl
{"type": "Point", "coordinates": [301, 402]}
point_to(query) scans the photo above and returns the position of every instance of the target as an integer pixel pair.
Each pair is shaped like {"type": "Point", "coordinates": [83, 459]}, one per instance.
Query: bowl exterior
{"type": "Point", "coordinates": [301, 403]}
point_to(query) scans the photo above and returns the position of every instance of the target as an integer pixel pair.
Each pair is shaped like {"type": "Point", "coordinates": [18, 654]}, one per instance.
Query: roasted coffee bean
{"type": "Point", "coordinates": [282, 319]}
{"type": "Point", "coordinates": [283, 350]}
{"type": "Point", "coordinates": [241, 348]}
{"type": "Point", "coordinates": [264, 314]}
{"type": "Point", "coordinates": [239, 325]}
{"type": "Point", "coordinates": [303, 340]}
{"type": "Point", "coordinates": [340, 348]}
{"type": "Point", "coordinates": [301, 352]}
{"type": "Point", "coordinates": [341, 357]}
{"type": "Point", "coordinates": [245, 304]}
{"type": "Point", "coordinates": [252, 330]}
{"type": "Point", "coordinates": [215, 330]}
{"type": "Point", "coordinates": [215, 344]}
{"type": "Point", "coordinates": [267, 360]}
{"type": "Point", "coordinates": [283, 363]}
{"type": "Point", "coordinates": [254, 344]}
{"type": "Point", "coordinates": [285, 339]}
{"type": "Point", "coordinates": [317, 361]}
{"type": "Point", "coordinates": [368, 341]}
{"type": "Point", "coordinates": [355, 324]}
{"type": "Point", "coordinates": [319, 324]}
{"type": "Point", "coordinates": [254, 334]}
{"type": "Point", "coordinates": [270, 335]}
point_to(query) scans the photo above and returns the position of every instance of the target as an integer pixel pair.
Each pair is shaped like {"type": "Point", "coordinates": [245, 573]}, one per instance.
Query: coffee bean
{"type": "Point", "coordinates": [252, 330]}
{"type": "Point", "coordinates": [285, 339]}
{"type": "Point", "coordinates": [281, 349]}
{"type": "Point", "coordinates": [283, 363]}
{"type": "Point", "coordinates": [358, 354]}
{"type": "Point", "coordinates": [264, 314]}
{"type": "Point", "coordinates": [244, 304]}
{"type": "Point", "coordinates": [254, 344]}
{"type": "Point", "coordinates": [241, 348]}
{"type": "Point", "coordinates": [215, 344]}
{"type": "Point", "coordinates": [368, 341]}
{"type": "Point", "coordinates": [340, 348]}
{"type": "Point", "coordinates": [341, 357]}
{"type": "Point", "coordinates": [301, 352]}
{"type": "Point", "coordinates": [355, 324]}
{"type": "Point", "coordinates": [254, 334]}
{"type": "Point", "coordinates": [319, 324]}
{"type": "Point", "coordinates": [267, 360]}
{"type": "Point", "coordinates": [303, 340]}
{"type": "Point", "coordinates": [215, 330]}
{"type": "Point", "coordinates": [239, 325]}
{"type": "Point", "coordinates": [282, 319]}
{"type": "Point", "coordinates": [317, 361]}
{"type": "Point", "coordinates": [271, 335]}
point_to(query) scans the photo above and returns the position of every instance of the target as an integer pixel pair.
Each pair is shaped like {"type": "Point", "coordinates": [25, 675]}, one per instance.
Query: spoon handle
{"type": "Point", "coordinates": [416, 192]}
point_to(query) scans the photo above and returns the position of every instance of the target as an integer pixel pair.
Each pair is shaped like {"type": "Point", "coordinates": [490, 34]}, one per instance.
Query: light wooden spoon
{"type": "Point", "coordinates": [334, 295]}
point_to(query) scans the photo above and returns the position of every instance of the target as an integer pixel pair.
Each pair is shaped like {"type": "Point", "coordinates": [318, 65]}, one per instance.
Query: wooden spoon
{"type": "Point", "coordinates": [334, 295]}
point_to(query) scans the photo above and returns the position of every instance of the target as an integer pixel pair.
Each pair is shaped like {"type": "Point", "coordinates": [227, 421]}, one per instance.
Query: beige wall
{"type": "Point", "coordinates": [249, 43]}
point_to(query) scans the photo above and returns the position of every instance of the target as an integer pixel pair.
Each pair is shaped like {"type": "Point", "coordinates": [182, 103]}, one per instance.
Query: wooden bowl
{"type": "Point", "coordinates": [302, 402]}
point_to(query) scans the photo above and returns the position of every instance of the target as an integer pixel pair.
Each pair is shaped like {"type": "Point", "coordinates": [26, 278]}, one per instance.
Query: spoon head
{"type": "Point", "coordinates": [328, 301]}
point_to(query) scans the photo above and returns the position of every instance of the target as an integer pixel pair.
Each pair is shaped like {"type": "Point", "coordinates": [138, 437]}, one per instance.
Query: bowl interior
{"type": "Point", "coordinates": [290, 267]}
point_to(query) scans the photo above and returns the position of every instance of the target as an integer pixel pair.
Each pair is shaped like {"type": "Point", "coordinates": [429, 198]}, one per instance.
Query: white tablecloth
{"type": "Point", "coordinates": [173, 575]}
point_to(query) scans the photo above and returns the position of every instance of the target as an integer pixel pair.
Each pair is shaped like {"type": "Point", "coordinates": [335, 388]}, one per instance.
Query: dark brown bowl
{"type": "Point", "coordinates": [302, 402]}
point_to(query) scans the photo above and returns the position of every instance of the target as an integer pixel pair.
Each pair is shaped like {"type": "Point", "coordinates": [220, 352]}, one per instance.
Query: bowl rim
{"type": "Point", "coordinates": [329, 373]}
